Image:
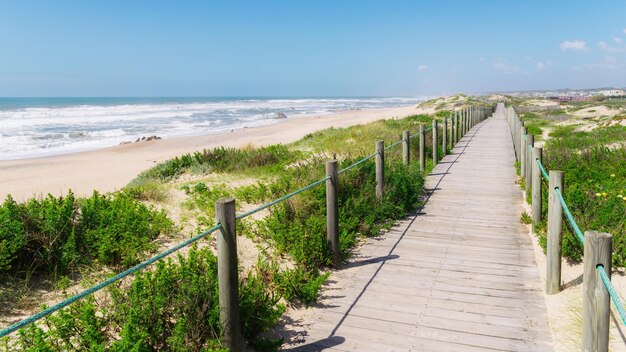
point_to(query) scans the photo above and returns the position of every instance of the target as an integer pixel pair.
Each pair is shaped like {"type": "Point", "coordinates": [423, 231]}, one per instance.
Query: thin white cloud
{"type": "Point", "coordinates": [422, 67]}
{"type": "Point", "coordinates": [624, 30]}
{"type": "Point", "coordinates": [501, 66]}
{"type": "Point", "coordinates": [541, 66]}
{"type": "Point", "coordinates": [618, 40]}
{"type": "Point", "coordinates": [611, 49]}
{"type": "Point", "coordinates": [574, 45]}
{"type": "Point", "coordinates": [608, 63]}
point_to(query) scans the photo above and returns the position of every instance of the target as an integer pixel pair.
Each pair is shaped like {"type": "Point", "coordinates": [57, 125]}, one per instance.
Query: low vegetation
{"type": "Point", "coordinates": [174, 305]}
{"type": "Point", "coordinates": [592, 160]}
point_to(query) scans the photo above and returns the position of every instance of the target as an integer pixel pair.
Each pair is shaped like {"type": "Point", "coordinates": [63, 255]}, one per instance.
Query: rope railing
{"type": "Point", "coordinates": [596, 321]}
{"type": "Point", "coordinates": [569, 216]}
{"type": "Point", "coordinates": [394, 144]}
{"type": "Point", "coordinates": [612, 292]}
{"type": "Point", "coordinates": [357, 163]}
{"type": "Point", "coordinates": [281, 199]}
{"type": "Point", "coordinates": [48, 311]}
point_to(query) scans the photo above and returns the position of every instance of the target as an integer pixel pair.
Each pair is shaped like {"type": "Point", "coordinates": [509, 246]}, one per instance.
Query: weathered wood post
{"type": "Point", "coordinates": [422, 147]}
{"type": "Point", "coordinates": [529, 163]}
{"type": "Point", "coordinates": [455, 127]}
{"type": "Point", "coordinates": [462, 123]}
{"type": "Point", "coordinates": [332, 210]}
{"type": "Point", "coordinates": [555, 226]}
{"type": "Point", "coordinates": [596, 300]}
{"type": "Point", "coordinates": [227, 273]}
{"type": "Point", "coordinates": [451, 138]}
{"type": "Point", "coordinates": [435, 143]}
{"type": "Point", "coordinates": [406, 147]}
{"type": "Point", "coordinates": [444, 137]}
{"type": "Point", "coordinates": [380, 169]}
{"type": "Point", "coordinates": [536, 187]}
{"type": "Point", "coordinates": [523, 150]}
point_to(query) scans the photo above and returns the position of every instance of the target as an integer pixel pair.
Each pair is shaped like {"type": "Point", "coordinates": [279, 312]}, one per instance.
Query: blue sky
{"type": "Point", "coordinates": [312, 48]}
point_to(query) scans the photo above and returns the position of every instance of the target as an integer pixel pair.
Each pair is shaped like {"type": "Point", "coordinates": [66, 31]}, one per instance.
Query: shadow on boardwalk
{"type": "Point", "coordinates": [458, 275]}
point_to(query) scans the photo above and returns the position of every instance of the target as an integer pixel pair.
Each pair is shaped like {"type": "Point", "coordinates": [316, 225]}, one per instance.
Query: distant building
{"type": "Point", "coordinates": [612, 93]}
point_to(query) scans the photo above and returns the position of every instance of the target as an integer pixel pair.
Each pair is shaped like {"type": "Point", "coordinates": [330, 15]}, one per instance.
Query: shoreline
{"type": "Point", "coordinates": [109, 169]}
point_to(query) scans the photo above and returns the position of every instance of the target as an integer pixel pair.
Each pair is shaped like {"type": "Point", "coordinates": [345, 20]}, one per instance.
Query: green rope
{"type": "Point", "coordinates": [283, 198]}
{"type": "Point", "coordinates": [418, 133]}
{"type": "Point", "coordinates": [358, 163]}
{"type": "Point", "coordinates": [395, 144]}
{"type": "Point", "coordinates": [543, 171]}
{"type": "Point", "coordinates": [614, 296]}
{"type": "Point", "coordinates": [44, 313]}
{"type": "Point", "coordinates": [577, 231]}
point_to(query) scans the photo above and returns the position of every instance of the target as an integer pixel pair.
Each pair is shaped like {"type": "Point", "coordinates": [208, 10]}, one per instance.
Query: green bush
{"type": "Point", "coordinates": [117, 228]}
{"type": "Point", "coordinates": [56, 234]}
{"type": "Point", "coordinates": [222, 160]}
{"type": "Point", "coordinates": [175, 307]}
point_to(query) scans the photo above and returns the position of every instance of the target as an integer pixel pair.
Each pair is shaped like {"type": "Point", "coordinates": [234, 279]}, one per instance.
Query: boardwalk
{"type": "Point", "coordinates": [458, 276]}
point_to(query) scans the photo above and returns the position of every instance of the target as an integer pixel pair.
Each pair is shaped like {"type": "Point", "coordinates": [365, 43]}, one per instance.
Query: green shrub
{"type": "Point", "coordinates": [221, 160]}
{"type": "Point", "coordinates": [117, 229]}
{"type": "Point", "coordinates": [12, 234]}
{"type": "Point", "coordinates": [57, 234]}
{"type": "Point", "coordinates": [175, 307]}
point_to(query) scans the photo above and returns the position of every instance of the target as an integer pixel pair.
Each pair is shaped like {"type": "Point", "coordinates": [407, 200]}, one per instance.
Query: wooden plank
{"type": "Point", "coordinates": [459, 276]}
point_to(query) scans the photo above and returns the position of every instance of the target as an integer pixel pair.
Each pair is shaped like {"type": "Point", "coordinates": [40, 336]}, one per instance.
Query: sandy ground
{"type": "Point", "coordinates": [565, 307]}
{"type": "Point", "coordinates": [596, 111]}
{"type": "Point", "coordinates": [112, 168]}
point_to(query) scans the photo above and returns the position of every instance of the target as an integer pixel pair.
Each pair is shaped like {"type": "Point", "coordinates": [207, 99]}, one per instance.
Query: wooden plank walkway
{"type": "Point", "coordinates": [458, 276]}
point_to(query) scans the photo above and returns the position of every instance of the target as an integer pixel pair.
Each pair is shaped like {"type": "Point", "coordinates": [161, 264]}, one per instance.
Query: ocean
{"type": "Point", "coordinates": [37, 127]}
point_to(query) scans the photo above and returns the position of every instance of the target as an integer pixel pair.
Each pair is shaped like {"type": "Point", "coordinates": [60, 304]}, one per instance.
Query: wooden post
{"type": "Point", "coordinates": [455, 128]}
{"type": "Point", "coordinates": [406, 147]}
{"type": "Point", "coordinates": [536, 187]}
{"type": "Point", "coordinates": [435, 143]}
{"type": "Point", "coordinates": [555, 226]}
{"type": "Point", "coordinates": [227, 272]}
{"type": "Point", "coordinates": [523, 150]}
{"type": "Point", "coordinates": [451, 138]}
{"type": "Point", "coordinates": [380, 169]}
{"type": "Point", "coordinates": [529, 164]}
{"type": "Point", "coordinates": [596, 300]}
{"type": "Point", "coordinates": [332, 210]}
{"type": "Point", "coordinates": [462, 123]}
{"type": "Point", "coordinates": [444, 137]}
{"type": "Point", "coordinates": [422, 148]}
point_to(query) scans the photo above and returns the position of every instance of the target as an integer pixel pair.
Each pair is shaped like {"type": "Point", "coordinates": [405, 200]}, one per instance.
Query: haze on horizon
{"type": "Point", "coordinates": [321, 48]}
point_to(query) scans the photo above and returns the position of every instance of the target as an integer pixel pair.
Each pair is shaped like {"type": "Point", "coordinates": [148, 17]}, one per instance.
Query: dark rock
{"type": "Point", "coordinates": [281, 115]}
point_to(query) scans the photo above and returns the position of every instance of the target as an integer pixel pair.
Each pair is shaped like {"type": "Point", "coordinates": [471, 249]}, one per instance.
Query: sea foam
{"type": "Point", "coordinates": [34, 128]}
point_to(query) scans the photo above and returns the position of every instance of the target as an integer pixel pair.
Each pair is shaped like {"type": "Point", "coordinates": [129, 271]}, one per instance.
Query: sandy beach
{"type": "Point", "coordinates": [112, 168]}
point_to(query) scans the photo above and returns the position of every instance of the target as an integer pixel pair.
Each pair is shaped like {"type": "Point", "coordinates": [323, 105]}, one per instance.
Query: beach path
{"type": "Point", "coordinates": [460, 275]}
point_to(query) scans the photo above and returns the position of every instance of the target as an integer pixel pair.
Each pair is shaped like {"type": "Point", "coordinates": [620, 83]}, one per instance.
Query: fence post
{"type": "Point", "coordinates": [455, 128]}
{"type": "Point", "coordinates": [555, 225]}
{"type": "Point", "coordinates": [536, 187]}
{"type": "Point", "coordinates": [227, 272]}
{"type": "Point", "coordinates": [451, 138]}
{"type": "Point", "coordinates": [422, 148]}
{"type": "Point", "coordinates": [380, 169]}
{"type": "Point", "coordinates": [332, 210]}
{"type": "Point", "coordinates": [462, 123]}
{"type": "Point", "coordinates": [596, 300]}
{"type": "Point", "coordinates": [444, 137]}
{"type": "Point", "coordinates": [435, 143]}
{"type": "Point", "coordinates": [406, 147]}
{"type": "Point", "coordinates": [529, 164]}
{"type": "Point", "coordinates": [522, 152]}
